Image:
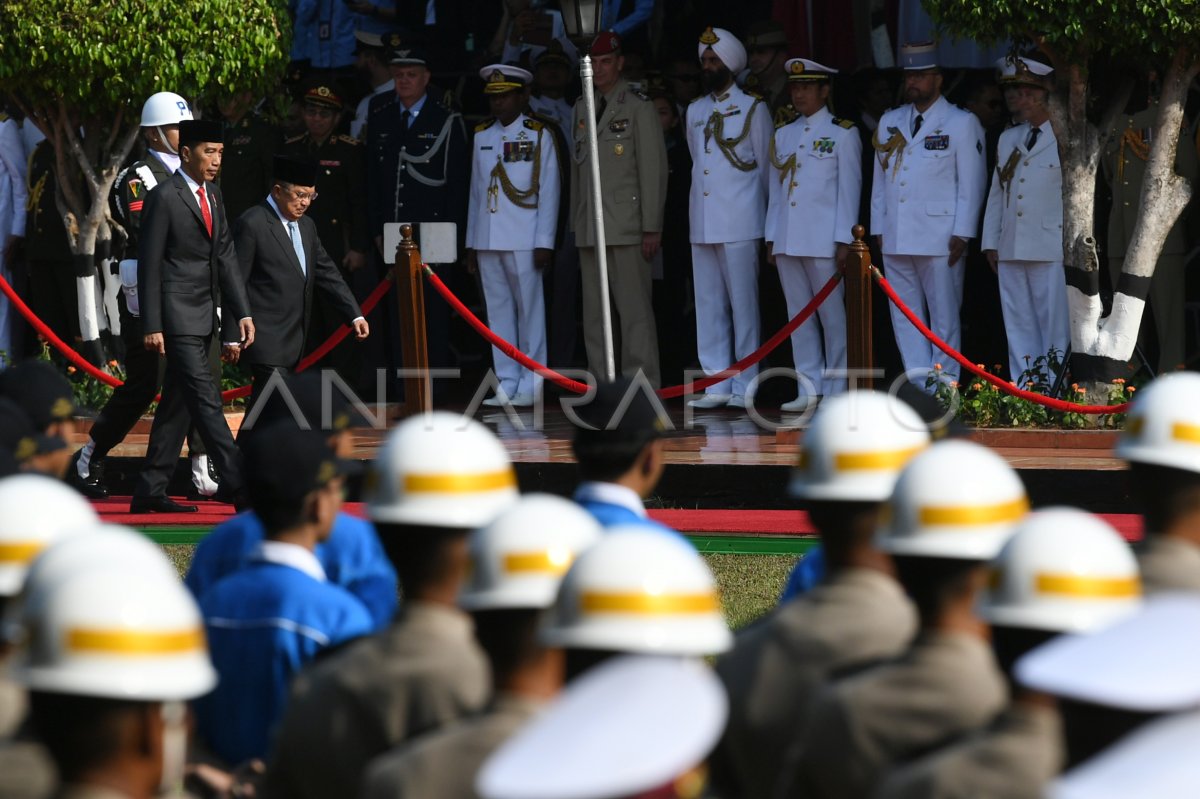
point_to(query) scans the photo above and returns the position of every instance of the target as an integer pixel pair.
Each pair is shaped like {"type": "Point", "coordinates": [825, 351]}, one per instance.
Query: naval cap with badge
{"type": "Point", "coordinates": [919, 57]}
{"type": "Point", "coordinates": [726, 47]}
{"type": "Point", "coordinates": [404, 53]}
{"type": "Point", "coordinates": [502, 78]}
{"type": "Point", "coordinates": [800, 70]}
{"type": "Point", "coordinates": [1022, 71]}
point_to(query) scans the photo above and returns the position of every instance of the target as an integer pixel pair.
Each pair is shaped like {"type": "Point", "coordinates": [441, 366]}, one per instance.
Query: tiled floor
{"type": "Point", "coordinates": [719, 438]}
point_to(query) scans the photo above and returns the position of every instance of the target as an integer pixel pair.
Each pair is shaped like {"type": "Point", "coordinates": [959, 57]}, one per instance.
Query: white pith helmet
{"type": "Point", "coordinates": [855, 447]}
{"type": "Point", "coordinates": [443, 470]}
{"type": "Point", "coordinates": [519, 559]}
{"type": "Point", "coordinates": [639, 591]}
{"type": "Point", "coordinates": [955, 500]}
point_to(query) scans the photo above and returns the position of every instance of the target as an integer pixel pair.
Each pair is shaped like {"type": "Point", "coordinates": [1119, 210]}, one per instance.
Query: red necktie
{"type": "Point", "coordinates": [204, 211]}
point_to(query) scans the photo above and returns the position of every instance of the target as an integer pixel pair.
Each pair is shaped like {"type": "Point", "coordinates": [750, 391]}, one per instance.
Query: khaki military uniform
{"type": "Point", "coordinates": [633, 162]}
{"type": "Point", "coordinates": [1168, 564]}
{"type": "Point", "coordinates": [1124, 165]}
{"type": "Point", "coordinates": [945, 686]}
{"type": "Point", "coordinates": [26, 771]}
{"type": "Point", "coordinates": [444, 764]}
{"type": "Point", "coordinates": [776, 668]}
{"type": "Point", "coordinates": [423, 672]}
{"type": "Point", "coordinates": [1016, 758]}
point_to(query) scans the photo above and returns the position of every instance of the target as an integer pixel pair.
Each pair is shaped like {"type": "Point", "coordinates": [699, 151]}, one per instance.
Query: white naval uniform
{"type": "Point", "coordinates": [13, 191]}
{"type": "Point", "coordinates": [813, 209]}
{"type": "Point", "coordinates": [1024, 224]}
{"type": "Point", "coordinates": [504, 236]}
{"type": "Point", "coordinates": [931, 189]}
{"type": "Point", "coordinates": [727, 209]}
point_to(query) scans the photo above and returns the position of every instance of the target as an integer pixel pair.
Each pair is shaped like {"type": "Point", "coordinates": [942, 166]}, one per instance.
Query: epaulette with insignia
{"type": "Point", "coordinates": [534, 124]}
{"type": "Point", "coordinates": [4, 116]}
{"type": "Point", "coordinates": [348, 139]}
{"type": "Point", "coordinates": [485, 124]}
{"type": "Point", "coordinates": [754, 93]}
{"type": "Point", "coordinates": [641, 94]}
{"type": "Point", "coordinates": [294, 139]}
{"type": "Point", "coordinates": [845, 123]}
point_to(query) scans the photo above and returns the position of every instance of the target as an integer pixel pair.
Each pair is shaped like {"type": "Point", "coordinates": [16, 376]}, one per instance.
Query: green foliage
{"type": "Point", "coordinates": [99, 56]}
{"type": "Point", "coordinates": [1074, 29]}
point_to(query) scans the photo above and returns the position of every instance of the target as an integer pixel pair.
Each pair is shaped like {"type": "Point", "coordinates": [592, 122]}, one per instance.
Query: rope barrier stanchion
{"type": "Point", "coordinates": [665, 393]}
{"type": "Point", "coordinates": [983, 374]}
{"type": "Point", "coordinates": [339, 335]}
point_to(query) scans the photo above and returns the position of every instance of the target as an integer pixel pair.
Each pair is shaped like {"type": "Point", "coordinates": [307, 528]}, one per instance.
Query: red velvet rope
{"type": "Point", "coordinates": [1003, 385]}
{"type": "Point", "coordinates": [234, 393]}
{"type": "Point", "coordinates": [666, 393]}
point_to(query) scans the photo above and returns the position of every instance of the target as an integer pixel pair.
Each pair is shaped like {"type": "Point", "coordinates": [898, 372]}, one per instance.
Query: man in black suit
{"type": "Point", "coordinates": [284, 264]}
{"type": "Point", "coordinates": [186, 269]}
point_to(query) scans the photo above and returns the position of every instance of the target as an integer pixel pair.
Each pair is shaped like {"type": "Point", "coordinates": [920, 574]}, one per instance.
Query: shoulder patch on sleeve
{"type": "Point", "coordinates": [485, 124]}
{"type": "Point", "coordinates": [845, 123]}
{"type": "Point", "coordinates": [534, 124]}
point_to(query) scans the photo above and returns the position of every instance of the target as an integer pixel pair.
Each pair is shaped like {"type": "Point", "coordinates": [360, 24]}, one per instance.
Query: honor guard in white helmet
{"type": "Point", "coordinates": [112, 654]}
{"type": "Point", "coordinates": [517, 562]}
{"type": "Point", "coordinates": [437, 477]}
{"type": "Point", "coordinates": [1161, 443]}
{"type": "Point", "coordinates": [1063, 571]}
{"type": "Point", "coordinates": [850, 457]}
{"type": "Point", "coordinates": [637, 726]}
{"type": "Point", "coordinates": [636, 591]}
{"type": "Point", "coordinates": [953, 507]}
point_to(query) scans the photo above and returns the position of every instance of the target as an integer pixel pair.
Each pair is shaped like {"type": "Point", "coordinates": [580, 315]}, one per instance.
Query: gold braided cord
{"type": "Point", "coordinates": [787, 168]}
{"type": "Point", "coordinates": [35, 193]}
{"type": "Point", "coordinates": [1008, 170]}
{"type": "Point", "coordinates": [888, 148]}
{"type": "Point", "coordinates": [715, 129]}
{"type": "Point", "coordinates": [1133, 140]}
{"type": "Point", "coordinates": [516, 196]}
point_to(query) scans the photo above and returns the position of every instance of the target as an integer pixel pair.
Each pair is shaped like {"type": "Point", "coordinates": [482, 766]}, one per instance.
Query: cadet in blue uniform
{"type": "Point", "coordinates": [352, 555]}
{"type": "Point", "coordinates": [269, 620]}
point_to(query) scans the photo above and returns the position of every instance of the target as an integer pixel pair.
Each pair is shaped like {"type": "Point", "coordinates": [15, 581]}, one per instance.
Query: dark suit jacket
{"type": "Point", "coordinates": [183, 275]}
{"type": "Point", "coordinates": [280, 293]}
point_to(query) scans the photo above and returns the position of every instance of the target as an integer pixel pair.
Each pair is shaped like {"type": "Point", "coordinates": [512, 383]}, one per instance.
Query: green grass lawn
{"type": "Point", "coordinates": [750, 584]}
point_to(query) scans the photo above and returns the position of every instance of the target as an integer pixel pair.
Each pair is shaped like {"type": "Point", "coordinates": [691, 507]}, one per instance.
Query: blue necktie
{"type": "Point", "coordinates": [294, 232]}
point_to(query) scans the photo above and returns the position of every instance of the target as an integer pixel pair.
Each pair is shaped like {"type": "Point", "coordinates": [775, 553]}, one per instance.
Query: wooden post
{"type": "Point", "coordinates": [410, 295]}
{"type": "Point", "coordinates": [859, 354]}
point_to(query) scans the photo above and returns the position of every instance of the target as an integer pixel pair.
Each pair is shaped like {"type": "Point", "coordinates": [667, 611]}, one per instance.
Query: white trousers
{"type": "Point", "coordinates": [802, 277]}
{"type": "Point", "coordinates": [1033, 297]}
{"type": "Point", "coordinates": [516, 308]}
{"type": "Point", "coordinates": [725, 277]}
{"type": "Point", "coordinates": [933, 290]}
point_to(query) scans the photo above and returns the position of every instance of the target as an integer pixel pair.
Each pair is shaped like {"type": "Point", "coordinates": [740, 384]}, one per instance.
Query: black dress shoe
{"type": "Point", "coordinates": [91, 486]}
{"type": "Point", "coordinates": [158, 505]}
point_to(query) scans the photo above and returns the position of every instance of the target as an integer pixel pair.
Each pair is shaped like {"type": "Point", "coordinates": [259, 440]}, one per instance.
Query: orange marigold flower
{"type": "Point", "coordinates": [937, 367]}
{"type": "Point", "coordinates": [71, 370]}
{"type": "Point", "coordinates": [1131, 389]}
{"type": "Point", "coordinates": [1119, 381]}
{"type": "Point", "coordinates": [1075, 386]}
{"type": "Point", "coordinates": [976, 386]}
{"type": "Point", "coordinates": [1079, 390]}
{"type": "Point", "coordinates": [113, 363]}
{"type": "Point", "coordinates": [953, 384]}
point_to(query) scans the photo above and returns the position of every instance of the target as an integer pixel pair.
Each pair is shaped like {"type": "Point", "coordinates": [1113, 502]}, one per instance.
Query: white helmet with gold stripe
{"type": "Point", "coordinates": [1163, 426]}
{"type": "Point", "coordinates": [954, 500]}
{"type": "Point", "coordinates": [639, 591]}
{"type": "Point", "coordinates": [442, 470]}
{"type": "Point", "coordinates": [35, 511]}
{"type": "Point", "coordinates": [1063, 570]}
{"type": "Point", "coordinates": [519, 559]}
{"type": "Point", "coordinates": [855, 447]}
{"type": "Point", "coordinates": [115, 630]}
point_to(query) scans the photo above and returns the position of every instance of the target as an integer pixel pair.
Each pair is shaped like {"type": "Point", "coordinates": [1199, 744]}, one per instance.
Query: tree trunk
{"type": "Point", "coordinates": [1102, 346]}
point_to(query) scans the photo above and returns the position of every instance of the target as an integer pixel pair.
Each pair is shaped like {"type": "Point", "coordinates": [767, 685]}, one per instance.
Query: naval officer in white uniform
{"type": "Point", "coordinates": [1023, 225]}
{"type": "Point", "coordinates": [729, 136]}
{"type": "Point", "coordinates": [930, 178]}
{"type": "Point", "coordinates": [815, 189]}
{"type": "Point", "coordinates": [511, 224]}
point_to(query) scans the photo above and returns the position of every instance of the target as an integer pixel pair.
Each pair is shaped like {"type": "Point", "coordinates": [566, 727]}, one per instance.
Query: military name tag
{"type": "Point", "coordinates": [618, 126]}
{"type": "Point", "coordinates": [486, 147]}
{"type": "Point", "coordinates": [823, 145]}
{"type": "Point", "coordinates": [937, 142]}
{"type": "Point", "coordinates": [331, 163]}
{"type": "Point", "coordinates": [239, 141]}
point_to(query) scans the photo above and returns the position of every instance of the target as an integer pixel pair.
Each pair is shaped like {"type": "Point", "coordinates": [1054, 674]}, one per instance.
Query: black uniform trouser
{"type": "Point", "coordinates": [261, 373]}
{"type": "Point", "coordinates": [143, 379]}
{"type": "Point", "coordinates": [189, 374]}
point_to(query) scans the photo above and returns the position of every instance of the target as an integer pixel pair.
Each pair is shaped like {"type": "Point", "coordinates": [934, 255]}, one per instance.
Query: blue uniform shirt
{"type": "Point", "coordinates": [805, 574]}
{"type": "Point", "coordinates": [264, 623]}
{"type": "Point", "coordinates": [614, 504]}
{"type": "Point", "coordinates": [352, 557]}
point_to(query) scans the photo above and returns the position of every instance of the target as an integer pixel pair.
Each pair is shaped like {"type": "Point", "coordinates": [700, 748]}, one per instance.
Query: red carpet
{"type": "Point", "coordinates": [115, 510]}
